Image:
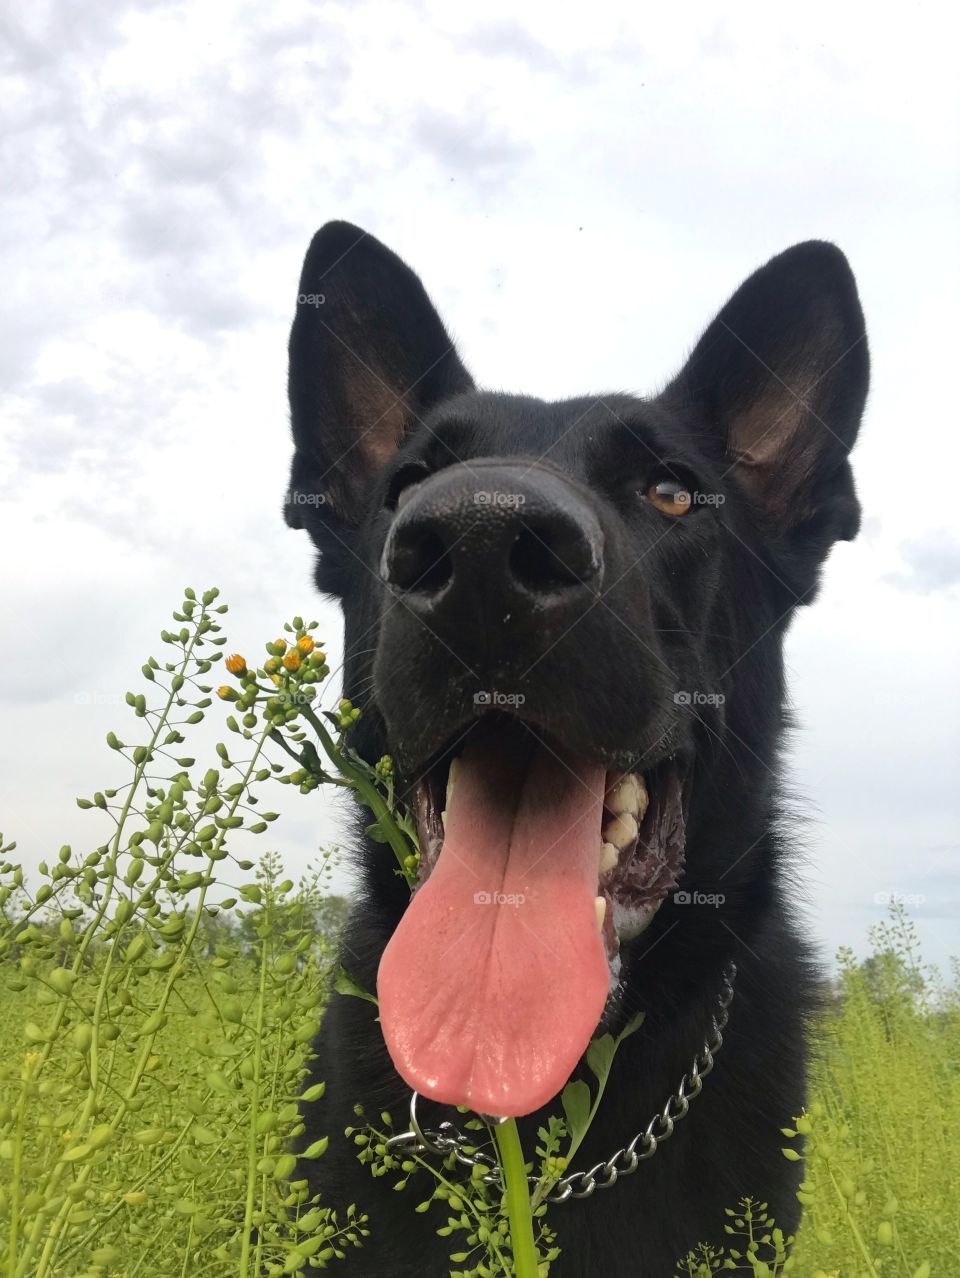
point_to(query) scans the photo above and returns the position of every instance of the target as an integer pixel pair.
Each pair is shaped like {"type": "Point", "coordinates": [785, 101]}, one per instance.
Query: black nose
{"type": "Point", "coordinates": [477, 542]}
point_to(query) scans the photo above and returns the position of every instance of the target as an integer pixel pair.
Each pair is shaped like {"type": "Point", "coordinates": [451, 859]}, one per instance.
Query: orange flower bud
{"type": "Point", "coordinates": [305, 644]}
{"type": "Point", "coordinates": [292, 659]}
{"type": "Point", "coordinates": [236, 664]}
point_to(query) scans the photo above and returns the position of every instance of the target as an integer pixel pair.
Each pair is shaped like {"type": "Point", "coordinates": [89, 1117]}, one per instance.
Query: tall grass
{"type": "Point", "coordinates": [159, 992]}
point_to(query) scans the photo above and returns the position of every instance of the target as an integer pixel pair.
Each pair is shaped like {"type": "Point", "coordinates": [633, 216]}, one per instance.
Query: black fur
{"type": "Point", "coordinates": [763, 414]}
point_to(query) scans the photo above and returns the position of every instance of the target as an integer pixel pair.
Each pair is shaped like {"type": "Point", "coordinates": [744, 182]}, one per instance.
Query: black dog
{"type": "Point", "coordinates": [585, 603]}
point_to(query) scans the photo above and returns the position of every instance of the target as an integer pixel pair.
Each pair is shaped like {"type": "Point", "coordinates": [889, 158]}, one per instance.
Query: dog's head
{"type": "Point", "coordinates": [582, 603]}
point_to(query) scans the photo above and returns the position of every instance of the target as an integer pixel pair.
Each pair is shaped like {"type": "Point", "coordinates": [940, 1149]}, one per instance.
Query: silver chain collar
{"type": "Point", "coordinates": [450, 1140]}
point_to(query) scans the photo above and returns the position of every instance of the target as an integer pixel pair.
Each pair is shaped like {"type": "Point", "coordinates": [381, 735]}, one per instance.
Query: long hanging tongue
{"type": "Point", "coordinates": [496, 978]}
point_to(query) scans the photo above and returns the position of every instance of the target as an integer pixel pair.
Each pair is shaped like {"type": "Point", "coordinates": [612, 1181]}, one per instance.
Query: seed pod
{"type": "Point", "coordinates": [134, 870]}
{"type": "Point", "coordinates": [148, 1136]}
{"type": "Point", "coordinates": [137, 947]}
{"type": "Point", "coordinates": [232, 1011]}
{"type": "Point", "coordinates": [101, 1136]}
{"type": "Point", "coordinates": [62, 980]}
{"type": "Point", "coordinates": [153, 1024]}
{"type": "Point", "coordinates": [83, 1036]}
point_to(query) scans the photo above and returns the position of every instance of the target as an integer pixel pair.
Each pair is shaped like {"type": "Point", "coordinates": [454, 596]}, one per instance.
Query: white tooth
{"type": "Point", "coordinates": [443, 819]}
{"type": "Point", "coordinates": [600, 905]}
{"type": "Point", "coordinates": [451, 781]}
{"type": "Point", "coordinates": [609, 856]}
{"type": "Point", "coordinates": [621, 831]}
{"type": "Point", "coordinates": [629, 794]}
{"type": "Point", "coordinates": [630, 921]}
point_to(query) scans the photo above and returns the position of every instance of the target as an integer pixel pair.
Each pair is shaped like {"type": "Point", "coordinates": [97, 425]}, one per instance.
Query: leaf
{"type": "Point", "coordinates": [345, 984]}
{"type": "Point", "coordinates": [600, 1056]}
{"type": "Point", "coordinates": [631, 1027]}
{"type": "Point", "coordinates": [575, 1099]}
{"type": "Point", "coordinates": [601, 1051]}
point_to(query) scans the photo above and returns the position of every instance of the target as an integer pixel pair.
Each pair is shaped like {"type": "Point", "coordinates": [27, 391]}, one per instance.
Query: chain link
{"type": "Point", "coordinates": [448, 1139]}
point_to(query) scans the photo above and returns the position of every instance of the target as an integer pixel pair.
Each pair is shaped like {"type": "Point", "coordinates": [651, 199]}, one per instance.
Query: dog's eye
{"type": "Point", "coordinates": [402, 482]}
{"type": "Point", "coordinates": [671, 496]}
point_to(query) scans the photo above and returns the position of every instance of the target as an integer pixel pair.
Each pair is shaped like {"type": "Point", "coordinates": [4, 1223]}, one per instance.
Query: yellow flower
{"type": "Point", "coordinates": [305, 644]}
{"type": "Point", "coordinates": [292, 659]}
{"type": "Point", "coordinates": [236, 664]}
{"type": "Point", "coordinates": [225, 692]}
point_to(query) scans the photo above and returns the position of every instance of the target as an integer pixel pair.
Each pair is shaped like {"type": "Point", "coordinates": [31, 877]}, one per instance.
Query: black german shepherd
{"type": "Point", "coordinates": [565, 622]}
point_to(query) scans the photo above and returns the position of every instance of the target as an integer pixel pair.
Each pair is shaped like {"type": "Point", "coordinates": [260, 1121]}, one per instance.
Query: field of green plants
{"type": "Point", "coordinates": [159, 991]}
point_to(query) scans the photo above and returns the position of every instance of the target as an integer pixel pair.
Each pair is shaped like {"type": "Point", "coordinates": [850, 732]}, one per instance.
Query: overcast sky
{"type": "Point", "coordinates": [579, 198]}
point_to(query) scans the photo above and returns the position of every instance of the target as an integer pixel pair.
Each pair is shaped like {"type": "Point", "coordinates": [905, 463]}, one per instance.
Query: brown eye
{"type": "Point", "coordinates": [670, 496]}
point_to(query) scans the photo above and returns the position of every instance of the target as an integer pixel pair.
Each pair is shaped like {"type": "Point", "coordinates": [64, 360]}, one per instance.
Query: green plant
{"type": "Point", "coordinates": [106, 1113]}
{"type": "Point", "coordinates": [161, 991]}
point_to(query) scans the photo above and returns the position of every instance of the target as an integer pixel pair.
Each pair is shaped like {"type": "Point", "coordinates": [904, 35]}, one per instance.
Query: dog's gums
{"type": "Point", "coordinates": [534, 873]}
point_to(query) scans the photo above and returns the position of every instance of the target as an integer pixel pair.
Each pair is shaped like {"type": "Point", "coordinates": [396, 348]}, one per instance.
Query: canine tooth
{"type": "Point", "coordinates": [629, 794]}
{"type": "Point", "coordinates": [600, 904]}
{"type": "Point", "coordinates": [609, 856]}
{"type": "Point", "coordinates": [451, 781]}
{"type": "Point", "coordinates": [621, 831]}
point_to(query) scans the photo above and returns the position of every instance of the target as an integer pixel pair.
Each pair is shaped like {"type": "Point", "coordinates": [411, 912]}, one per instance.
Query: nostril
{"type": "Point", "coordinates": [418, 560]}
{"type": "Point", "coordinates": [541, 562]}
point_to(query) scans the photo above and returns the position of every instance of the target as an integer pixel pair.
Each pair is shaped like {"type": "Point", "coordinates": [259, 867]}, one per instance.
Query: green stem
{"type": "Point", "coordinates": [519, 1211]}
{"type": "Point", "coordinates": [366, 789]}
{"type": "Point", "coordinates": [252, 1139]}
{"type": "Point", "coordinates": [858, 1237]}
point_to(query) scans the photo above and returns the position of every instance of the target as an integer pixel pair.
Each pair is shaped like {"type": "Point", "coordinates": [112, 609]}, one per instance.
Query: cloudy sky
{"type": "Point", "coordinates": [579, 197]}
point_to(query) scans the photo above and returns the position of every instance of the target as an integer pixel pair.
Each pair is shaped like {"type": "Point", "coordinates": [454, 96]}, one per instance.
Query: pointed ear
{"type": "Point", "coordinates": [368, 357]}
{"type": "Point", "coordinates": [782, 375]}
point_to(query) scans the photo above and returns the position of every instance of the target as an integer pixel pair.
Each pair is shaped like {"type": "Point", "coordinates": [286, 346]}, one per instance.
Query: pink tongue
{"type": "Point", "coordinates": [496, 978]}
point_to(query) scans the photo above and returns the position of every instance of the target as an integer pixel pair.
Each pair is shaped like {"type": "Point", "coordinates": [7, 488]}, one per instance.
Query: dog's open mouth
{"type": "Point", "coordinates": [535, 866]}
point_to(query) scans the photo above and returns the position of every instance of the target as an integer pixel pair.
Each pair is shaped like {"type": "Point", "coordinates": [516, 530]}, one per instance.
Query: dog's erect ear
{"type": "Point", "coordinates": [782, 372]}
{"type": "Point", "coordinates": [368, 357]}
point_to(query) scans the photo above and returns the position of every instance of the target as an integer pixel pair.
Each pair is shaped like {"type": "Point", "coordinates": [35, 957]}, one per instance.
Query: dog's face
{"type": "Point", "coordinates": [582, 603]}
